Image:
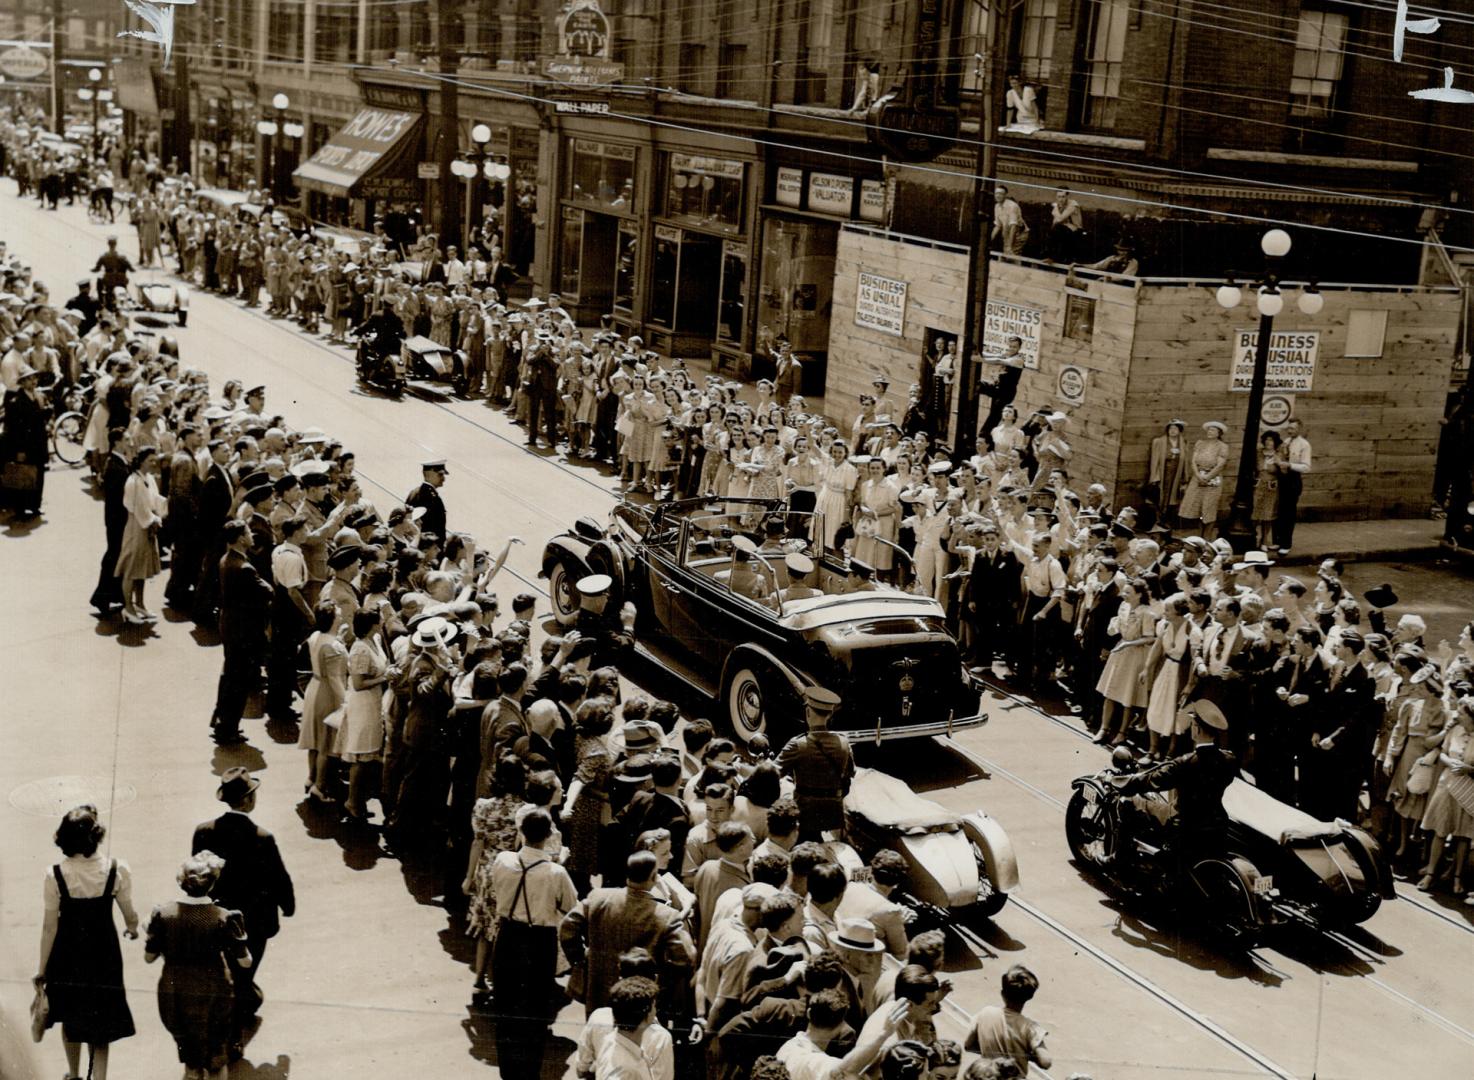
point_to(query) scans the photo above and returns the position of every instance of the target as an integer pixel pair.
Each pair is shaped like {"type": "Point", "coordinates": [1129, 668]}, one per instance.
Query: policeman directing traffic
{"type": "Point", "coordinates": [822, 766]}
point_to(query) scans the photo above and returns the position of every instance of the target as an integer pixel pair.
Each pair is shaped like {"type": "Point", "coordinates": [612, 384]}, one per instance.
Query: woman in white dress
{"type": "Point", "coordinates": [1008, 435]}
{"type": "Point", "coordinates": [138, 556]}
{"type": "Point", "coordinates": [369, 672]}
{"type": "Point", "coordinates": [836, 491]}
{"type": "Point", "coordinates": [878, 494]}
{"type": "Point", "coordinates": [325, 693]}
{"type": "Point", "coordinates": [1176, 637]}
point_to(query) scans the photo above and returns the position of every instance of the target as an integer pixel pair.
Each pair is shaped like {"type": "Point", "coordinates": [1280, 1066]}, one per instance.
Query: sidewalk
{"type": "Point", "coordinates": [1365, 541]}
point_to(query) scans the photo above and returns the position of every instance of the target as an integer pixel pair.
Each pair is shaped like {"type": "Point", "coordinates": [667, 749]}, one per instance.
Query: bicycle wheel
{"type": "Point", "coordinates": [66, 437]}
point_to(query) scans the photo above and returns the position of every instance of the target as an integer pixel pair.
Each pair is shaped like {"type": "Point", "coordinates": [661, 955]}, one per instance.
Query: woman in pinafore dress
{"type": "Point", "coordinates": [325, 693]}
{"type": "Point", "coordinates": [837, 482]}
{"type": "Point", "coordinates": [363, 721]}
{"type": "Point", "coordinates": [1205, 481]}
{"type": "Point", "coordinates": [81, 960]}
{"type": "Point", "coordinates": [1418, 732]}
{"type": "Point", "coordinates": [1173, 644]}
{"type": "Point", "coordinates": [1124, 692]}
{"type": "Point", "coordinates": [1450, 811]}
{"type": "Point", "coordinates": [494, 830]}
{"type": "Point", "coordinates": [586, 807]}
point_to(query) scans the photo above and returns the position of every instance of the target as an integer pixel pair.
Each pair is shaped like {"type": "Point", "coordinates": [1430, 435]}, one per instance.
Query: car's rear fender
{"type": "Point", "coordinates": [565, 548]}
{"type": "Point", "coordinates": [791, 685]}
{"type": "Point", "coordinates": [997, 849]}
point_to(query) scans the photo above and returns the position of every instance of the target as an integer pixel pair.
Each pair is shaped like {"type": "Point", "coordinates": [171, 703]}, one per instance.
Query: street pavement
{"type": "Point", "coordinates": [370, 979]}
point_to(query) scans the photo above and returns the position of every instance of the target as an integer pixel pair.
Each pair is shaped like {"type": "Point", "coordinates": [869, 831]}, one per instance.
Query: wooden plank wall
{"type": "Point", "coordinates": [1373, 423]}
{"type": "Point", "coordinates": [935, 281]}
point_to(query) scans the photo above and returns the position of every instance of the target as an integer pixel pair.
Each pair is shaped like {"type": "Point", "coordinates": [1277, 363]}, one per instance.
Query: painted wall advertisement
{"type": "Point", "coordinates": [1292, 355]}
{"type": "Point", "coordinates": [1005, 320]}
{"type": "Point", "coordinates": [880, 304]}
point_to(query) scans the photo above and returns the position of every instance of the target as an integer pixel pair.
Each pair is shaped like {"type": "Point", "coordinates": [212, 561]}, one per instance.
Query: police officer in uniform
{"type": "Point", "coordinates": [1199, 777]}
{"type": "Point", "coordinates": [603, 636]}
{"type": "Point", "coordinates": [822, 766]}
{"type": "Point", "coordinates": [427, 495]}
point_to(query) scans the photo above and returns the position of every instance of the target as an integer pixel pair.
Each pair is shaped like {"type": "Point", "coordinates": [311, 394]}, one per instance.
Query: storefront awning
{"type": "Point", "coordinates": [372, 156]}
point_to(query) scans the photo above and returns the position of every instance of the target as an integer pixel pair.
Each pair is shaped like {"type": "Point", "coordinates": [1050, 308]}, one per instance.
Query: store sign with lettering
{"type": "Point", "coordinates": [1292, 356]}
{"type": "Point", "coordinates": [23, 62]}
{"type": "Point", "coordinates": [789, 189]}
{"type": "Point", "coordinates": [880, 304]}
{"type": "Point", "coordinates": [706, 166]}
{"type": "Point", "coordinates": [831, 194]}
{"type": "Point", "coordinates": [578, 71]}
{"type": "Point", "coordinates": [1003, 321]}
{"type": "Point", "coordinates": [603, 149]}
{"type": "Point", "coordinates": [872, 200]}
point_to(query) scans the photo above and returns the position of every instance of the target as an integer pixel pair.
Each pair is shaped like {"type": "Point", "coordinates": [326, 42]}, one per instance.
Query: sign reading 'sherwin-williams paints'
{"type": "Point", "coordinates": [1292, 355]}
{"type": "Point", "coordinates": [880, 304]}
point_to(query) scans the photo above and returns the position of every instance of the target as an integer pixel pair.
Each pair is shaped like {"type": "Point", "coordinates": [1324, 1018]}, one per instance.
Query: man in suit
{"type": "Point", "coordinates": [992, 595]}
{"type": "Point", "coordinates": [661, 808]}
{"type": "Point", "coordinates": [1334, 766]}
{"type": "Point", "coordinates": [427, 495]}
{"type": "Point", "coordinates": [245, 606]}
{"type": "Point", "coordinates": [542, 389]}
{"type": "Point", "coordinates": [184, 497]}
{"type": "Point", "coordinates": [1004, 388]}
{"type": "Point", "coordinates": [715, 876]}
{"type": "Point", "coordinates": [109, 591]}
{"type": "Point", "coordinates": [1098, 606]}
{"type": "Point", "coordinates": [609, 922]}
{"type": "Point", "coordinates": [254, 882]}
{"type": "Point", "coordinates": [1218, 673]}
{"type": "Point", "coordinates": [217, 495]}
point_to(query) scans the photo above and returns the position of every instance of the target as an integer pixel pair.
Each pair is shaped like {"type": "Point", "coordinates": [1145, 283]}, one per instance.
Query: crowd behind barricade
{"type": "Point", "coordinates": [721, 934]}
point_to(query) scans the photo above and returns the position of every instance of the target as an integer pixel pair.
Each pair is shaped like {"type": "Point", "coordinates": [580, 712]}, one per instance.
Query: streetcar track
{"type": "Point", "coordinates": [1452, 1027]}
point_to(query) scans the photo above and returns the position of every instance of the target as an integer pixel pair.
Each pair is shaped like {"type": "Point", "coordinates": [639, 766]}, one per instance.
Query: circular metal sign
{"type": "Point", "coordinates": [23, 62]}
{"type": "Point", "coordinates": [1277, 408]}
{"type": "Point", "coordinates": [53, 796]}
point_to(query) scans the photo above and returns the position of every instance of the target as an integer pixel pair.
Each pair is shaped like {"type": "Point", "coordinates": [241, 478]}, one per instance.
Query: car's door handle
{"type": "Point", "coordinates": [671, 587]}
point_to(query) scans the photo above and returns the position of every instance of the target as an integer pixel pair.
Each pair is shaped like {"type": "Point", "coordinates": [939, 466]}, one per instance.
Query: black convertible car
{"type": "Point", "coordinates": [888, 654]}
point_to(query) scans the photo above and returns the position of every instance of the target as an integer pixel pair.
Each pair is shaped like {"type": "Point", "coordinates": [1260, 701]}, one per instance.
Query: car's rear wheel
{"type": "Point", "coordinates": [990, 900]}
{"type": "Point", "coordinates": [561, 591]}
{"type": "Point", "coordinates": [747, 704]}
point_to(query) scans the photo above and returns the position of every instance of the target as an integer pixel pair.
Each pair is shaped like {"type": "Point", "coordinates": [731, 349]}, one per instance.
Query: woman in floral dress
{"type": "Point", "coordinates": [494, 830]}
{"type": "Point", "coordinates": [586, 808]}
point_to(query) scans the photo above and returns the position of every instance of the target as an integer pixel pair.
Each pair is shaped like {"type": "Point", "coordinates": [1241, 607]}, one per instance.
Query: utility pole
{"type": "Point", "coordinates": [58, 86]}
{"type": "Point", "coordinates": [976, 294]}
{"type": "Point", "coordinates": [448, 134]}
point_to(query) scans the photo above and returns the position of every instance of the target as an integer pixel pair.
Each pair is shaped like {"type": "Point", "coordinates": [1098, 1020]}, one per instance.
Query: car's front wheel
{"type": "Point", "coordinates": [747, 704]}
{"type": "Point", "coordinates": [561, 591]}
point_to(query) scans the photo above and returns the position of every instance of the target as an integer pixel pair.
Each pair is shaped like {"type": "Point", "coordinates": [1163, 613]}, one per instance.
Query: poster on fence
{"type": "Point", "coordinates": [1005, 320]}
{"type": "Point", "coordinates": [1291, 367]}
{"type": "Point", "coordinates": [880, 304]}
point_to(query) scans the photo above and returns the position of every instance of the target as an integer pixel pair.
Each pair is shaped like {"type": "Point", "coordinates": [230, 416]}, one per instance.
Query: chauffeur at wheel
{"type": "Point", "coordinates": [822, 767]}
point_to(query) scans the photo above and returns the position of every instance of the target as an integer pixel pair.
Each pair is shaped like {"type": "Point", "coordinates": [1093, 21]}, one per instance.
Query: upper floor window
{"type": "Point", "coordinates": [1034, 54]}
{"type": "Point", "coordinates": [1320, 47]}
{"type": "Point", "coordinates": [974, 42]}
{"type": "Point", "coordinates": [1105, 49]}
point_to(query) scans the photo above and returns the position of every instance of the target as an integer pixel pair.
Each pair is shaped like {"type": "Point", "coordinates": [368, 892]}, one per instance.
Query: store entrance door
{"type": "Point", "coordinates": [795, 296]}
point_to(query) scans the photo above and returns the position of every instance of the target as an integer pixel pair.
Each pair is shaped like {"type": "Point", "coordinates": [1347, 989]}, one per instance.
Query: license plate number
{"type": "Point", "coordinates": [1264, 886]}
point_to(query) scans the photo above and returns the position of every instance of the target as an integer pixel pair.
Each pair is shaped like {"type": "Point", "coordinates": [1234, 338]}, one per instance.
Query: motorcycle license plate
{"type": "Point", "coordinates": [1264, 886]}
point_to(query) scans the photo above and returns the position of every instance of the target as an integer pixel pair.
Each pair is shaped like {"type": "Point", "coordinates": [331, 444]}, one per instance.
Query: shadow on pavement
{"type": "Point", "coordinates": [242, 754]}
{"type": "Point", "coordinates": [279, 1069]}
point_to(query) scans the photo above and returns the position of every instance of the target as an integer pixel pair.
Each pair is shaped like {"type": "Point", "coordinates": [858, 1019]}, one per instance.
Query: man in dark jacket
{"type": "Point", "coordinates": [24, 439]}
{"type": "Point", "coordinates": [217, 494]}
{"type": "Point", "coordinates": [109, 591]}
{"type": "Point", "coordinates": [87, 304]}
{"type": "Point", "coordinates": [245, 605]}
{"type": "Point", "coordinates": [992, 596]}
{"type": "Point", "coordinates": [603, 637]}
{"type": "Point", "coordinates": [542, 390]}
{"type": "Point", "coordinates": [427, 495]}
{"type": "Point", "coordinates": [1004, 388]}
{"type": "Point", "coordinates": [1199, 777]}
{"type": "Point", "coordinates": [254, 882]}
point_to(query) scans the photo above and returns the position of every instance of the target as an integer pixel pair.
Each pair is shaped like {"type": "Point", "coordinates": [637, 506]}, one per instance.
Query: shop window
{"type": "Point", "coordinates": [974, 41]}
{"type": "Point", "coordinates": [684, 266]}
{"type": "Point", "coordinates": [626, 258]}
{"type": "Point", "coordinates": [602, 174]}
{"type": "Point", "coordinates": [706, 190]}
{"type": "Point", "coordinates": [571, 256]}
{"type": "Point", "coordinates": [1320, 44]}
{"type": "Point", "coordinates": [284, 31]}
{"type": "Point", "coordinates": [732, 312]}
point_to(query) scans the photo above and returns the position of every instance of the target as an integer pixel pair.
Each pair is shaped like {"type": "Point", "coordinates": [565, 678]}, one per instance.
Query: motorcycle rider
{"type": "Point", "coordinates": [388, 337]}
{"type": "Point", "coordinates": [115, 268]}
{"type": "Point", "coordinates": [1198, 779]}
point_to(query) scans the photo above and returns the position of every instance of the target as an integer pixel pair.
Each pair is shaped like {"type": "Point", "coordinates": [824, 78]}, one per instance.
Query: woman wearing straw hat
{"type": "Point", "coordinates": [1205, 483]}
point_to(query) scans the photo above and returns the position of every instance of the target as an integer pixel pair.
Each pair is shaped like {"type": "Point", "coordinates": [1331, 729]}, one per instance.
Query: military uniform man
{"type": "Point", "coordinates": [822, 766]}
{"type": "Point", "coordinates": [428, 496]}
{"type": "Point", "coordinates": [802, 574]}
{"type": "Point", "coordinates": [603, 638]}
{"type": "Point", "coordinates": [1199, 778]}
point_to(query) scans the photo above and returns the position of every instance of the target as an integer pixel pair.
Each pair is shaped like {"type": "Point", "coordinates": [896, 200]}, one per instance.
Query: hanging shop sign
{"type": "Point", "coordinates": [581, 108]}
{"type": "Point", "coordinates": [1292, 356]}
{"type": "Point", "coordinates": [706, 166]}
{"type": "Point", "coordinates": [789, 188]}
{"type": "Point", "coordinates": [1003, 321]}
{"type": "Point", "coordinates": [830, 194]}
{"type": "Point", "coordinates": [880, 304]}
{"type": "Point", "coordinates": [872, 200]}
{"type": "Point", "coordinates": [583, 30]}
{"type": "Point", "coordinates": [916, 123]}
{"type": "Point", "coordinates": [23, 62]}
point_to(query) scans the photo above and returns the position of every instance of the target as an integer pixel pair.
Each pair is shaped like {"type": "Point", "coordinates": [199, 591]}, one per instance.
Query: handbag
{"type": "Point", "coordinates": [1420, 777]}
{"type": "Point", "coordinates": [40, 1013]}
{"type": "Point", "coordinates": [19, 476]}
{"type": "Point", "coordinates": [334, 720]}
